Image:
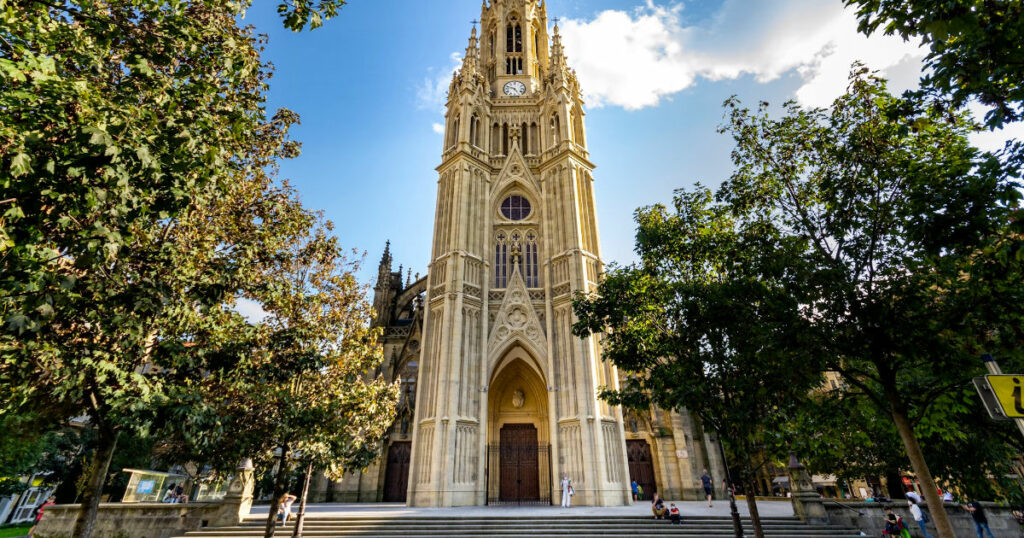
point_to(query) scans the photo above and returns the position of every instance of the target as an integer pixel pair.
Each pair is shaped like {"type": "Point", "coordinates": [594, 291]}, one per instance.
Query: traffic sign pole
{"type": "Point", "coordinates": [993, 368]}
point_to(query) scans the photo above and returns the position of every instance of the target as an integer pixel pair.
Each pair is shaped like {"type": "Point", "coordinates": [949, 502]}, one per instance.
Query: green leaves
{"type": "Point", "coordinates": [138, 200]}
{"type": "Point", "coordinates": [296, 14]}
{"type": "Point", "coordinates": [868, 239]}
{"type": "Point", "coordinates": [976, 48]}
{"type": "Point", "coordinates": [21, 164]}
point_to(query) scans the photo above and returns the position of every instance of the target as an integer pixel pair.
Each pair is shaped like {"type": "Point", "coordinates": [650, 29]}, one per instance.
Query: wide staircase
{"type": "Point", "coordinates": [534, 527]}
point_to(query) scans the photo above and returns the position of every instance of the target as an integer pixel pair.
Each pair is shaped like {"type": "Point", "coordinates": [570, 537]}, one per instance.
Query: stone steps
{"type": "Point", "coordinates": [533, 527]}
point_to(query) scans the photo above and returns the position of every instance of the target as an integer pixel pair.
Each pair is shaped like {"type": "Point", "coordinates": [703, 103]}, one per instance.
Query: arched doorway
{"type": "Point", "coordinates": [518, 456]}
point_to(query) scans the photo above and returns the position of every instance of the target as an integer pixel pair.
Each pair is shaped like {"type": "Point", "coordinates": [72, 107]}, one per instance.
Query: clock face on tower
{"type": "Point", "coordinates": [514, 88]}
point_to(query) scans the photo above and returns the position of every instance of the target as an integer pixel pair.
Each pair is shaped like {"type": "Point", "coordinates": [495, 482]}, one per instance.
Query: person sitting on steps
{"type": "Point", "coordinates": [658, 506]}
{"type": "Point", "coordinates": [673, 514]}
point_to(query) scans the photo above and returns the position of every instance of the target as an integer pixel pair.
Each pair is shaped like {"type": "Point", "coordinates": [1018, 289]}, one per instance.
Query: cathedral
{"type": "Point", "coordinates": [499, 398]}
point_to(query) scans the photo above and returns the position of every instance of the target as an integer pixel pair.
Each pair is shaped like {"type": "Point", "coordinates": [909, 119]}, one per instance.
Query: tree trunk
{"type": "Point", "coordinates": [279, 490]}
{"type": "Point", "coordinates": [931, 492]}
{"type": "Point", "coordinates": [297, 533]}
{"type": "Point", "coordinates": [755, 517]}
{"type": "Point", "coordinates": [106, 441]}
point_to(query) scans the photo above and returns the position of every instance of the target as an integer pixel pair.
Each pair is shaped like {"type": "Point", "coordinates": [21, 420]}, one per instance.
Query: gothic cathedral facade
{"type": "Point", "coordinates": [499, 397]}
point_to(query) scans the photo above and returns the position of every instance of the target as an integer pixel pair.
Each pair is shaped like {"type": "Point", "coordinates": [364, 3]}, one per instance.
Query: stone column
{"type": "Point", "coordinates": [807, 502]}
{"type": "Point", "coordinates": [238, 499]}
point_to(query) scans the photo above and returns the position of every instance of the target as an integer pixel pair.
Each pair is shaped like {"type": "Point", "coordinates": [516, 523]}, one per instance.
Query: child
{"type": "Point", "coordinates": [673, 514]}
{"type": "Point", "coordinates": [894, 525]}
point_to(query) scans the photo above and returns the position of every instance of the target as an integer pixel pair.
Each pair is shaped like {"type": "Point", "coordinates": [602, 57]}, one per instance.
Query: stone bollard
{"type": "Point", "coordinates": [807, 502]}
{"type": "Point", "coordinates": [238, 499]}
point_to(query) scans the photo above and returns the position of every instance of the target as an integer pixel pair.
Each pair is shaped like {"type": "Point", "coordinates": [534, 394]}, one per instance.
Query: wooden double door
{"type": "Point", "coordinates": [641, 465]}
{"type": "Point", "coordinates": [519, 463]}
{"type": "Point", "coordinates": [396, 475]}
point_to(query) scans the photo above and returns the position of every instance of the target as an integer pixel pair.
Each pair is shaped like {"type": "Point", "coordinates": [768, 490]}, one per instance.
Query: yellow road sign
{"type": "Point", "coordinates": [1007, 389]}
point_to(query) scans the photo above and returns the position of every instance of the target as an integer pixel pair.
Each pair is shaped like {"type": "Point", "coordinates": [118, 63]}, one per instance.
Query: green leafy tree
{"type": "Point", "coordinates": [301, 388]}
{"type": "Point", "coordinates": [137, 199]}
{"type": "Point", "coordinates": [908, 230]}
{"type": "Point", "coordinates": [29, 447]}
{"type": "Point", "coordinates": [842, 432]}
{"type": "Point", "coordinates": [976, 47]}
{"type": "Point", "coordinates": [709, 321]}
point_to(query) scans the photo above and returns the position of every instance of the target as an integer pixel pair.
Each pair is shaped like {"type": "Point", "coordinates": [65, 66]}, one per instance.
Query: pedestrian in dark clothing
{"type": "Point", "coordinates": [658, 506]}
{"type": "Point", "coordinates": [705, 482]}
{"type": "Point", "coordinates": [980, 520]}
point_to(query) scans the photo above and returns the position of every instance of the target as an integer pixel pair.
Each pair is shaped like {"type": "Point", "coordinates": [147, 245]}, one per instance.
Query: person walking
{"type": "Point", "coordinates": [705, 482]}
{"type": "Point", "coordinates": [636, 492]}
{"type": "Point", "coordinates": [567, 491]}
{"type": "Point", "coordinates": [980, 520]}
{"type": "Point", "coordinates": [920, 516]}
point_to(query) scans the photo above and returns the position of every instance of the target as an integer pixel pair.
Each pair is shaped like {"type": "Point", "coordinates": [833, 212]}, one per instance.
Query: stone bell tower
{"type": "Point", "coordinates": [508, 396]}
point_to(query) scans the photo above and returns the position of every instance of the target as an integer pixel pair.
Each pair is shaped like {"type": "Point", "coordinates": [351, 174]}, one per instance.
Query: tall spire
{"type": "Point", "coordinates": [385, 262]}
{"type": "Point", "coordinates": [469, 61]}
{"type": "Point", "coordinates": [558, 61]}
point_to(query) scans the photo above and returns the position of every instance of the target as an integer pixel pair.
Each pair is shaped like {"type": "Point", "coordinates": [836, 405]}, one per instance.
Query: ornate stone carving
{"type": "Point", "coordinates": [518, 398]}
{"type": "Point", "coordinates": [516, 317]}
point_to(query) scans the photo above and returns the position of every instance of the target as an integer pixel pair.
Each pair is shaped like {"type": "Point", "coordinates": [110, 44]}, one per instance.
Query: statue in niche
{"type": "Point", "coordinates": [518, 398]}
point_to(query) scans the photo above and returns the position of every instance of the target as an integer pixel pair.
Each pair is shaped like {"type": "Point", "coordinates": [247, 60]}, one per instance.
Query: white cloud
{"type": "Point", "coordinates": [634, 59]}
{"type": "Point", "coordinates": [251, 310]}
{"type": "Point", "coordinates": [432, 93]}
{"type": "Point", "coordinates": [438, 128]}
{"type": "Point", "coordinates": [993, 140]}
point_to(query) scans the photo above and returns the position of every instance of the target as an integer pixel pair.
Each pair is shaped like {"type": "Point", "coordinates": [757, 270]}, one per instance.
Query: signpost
{"type": "Point", "coordinates": [1001, 393]}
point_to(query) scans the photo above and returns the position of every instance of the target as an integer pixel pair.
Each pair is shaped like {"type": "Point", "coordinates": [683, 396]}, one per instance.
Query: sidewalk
{"type": "Point", "coordinates": [640, 508]}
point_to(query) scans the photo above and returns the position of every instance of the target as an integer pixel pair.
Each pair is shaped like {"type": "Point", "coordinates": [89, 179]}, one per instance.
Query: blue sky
{"type": "Point", "coordinates": [369, 87]}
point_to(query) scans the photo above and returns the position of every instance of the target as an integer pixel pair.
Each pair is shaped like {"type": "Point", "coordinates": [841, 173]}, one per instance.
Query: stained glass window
{"type": "Point", "coordinates": [515, 207]}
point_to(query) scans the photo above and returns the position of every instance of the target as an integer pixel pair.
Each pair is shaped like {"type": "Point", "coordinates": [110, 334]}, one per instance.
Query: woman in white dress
{"type": "Point", "coordinates": [567, 491]}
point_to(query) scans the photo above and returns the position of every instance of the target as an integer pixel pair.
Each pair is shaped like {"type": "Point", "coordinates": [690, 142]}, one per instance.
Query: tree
{"type": "Point", "coordinates": [302, 387]}
{"type": "Point", "coordinates": [843, 433]}
{"type": "Point", "coordinates": [137, 198]}
{"type": "Point", "coordinates": [976, 47]}
{"type": "Point", "coordinates": [27, 447]}
{"type": "Point", "coordinates": [908, 230]}
{"type": "Point", "coordinates": [710, 321]}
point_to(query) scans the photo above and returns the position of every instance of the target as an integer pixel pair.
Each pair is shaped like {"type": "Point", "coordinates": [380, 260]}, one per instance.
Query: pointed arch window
{"type": "Point", "coordinates": [530, 274]}
{"type": "Point", "coordinates": [513, 36]}
{"type": "Point", "coordinates": [501, 261]}
{"type": "Point", "coordinates": [516, 251]}
{"type": "Point", "coordinates": [474, 130]}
